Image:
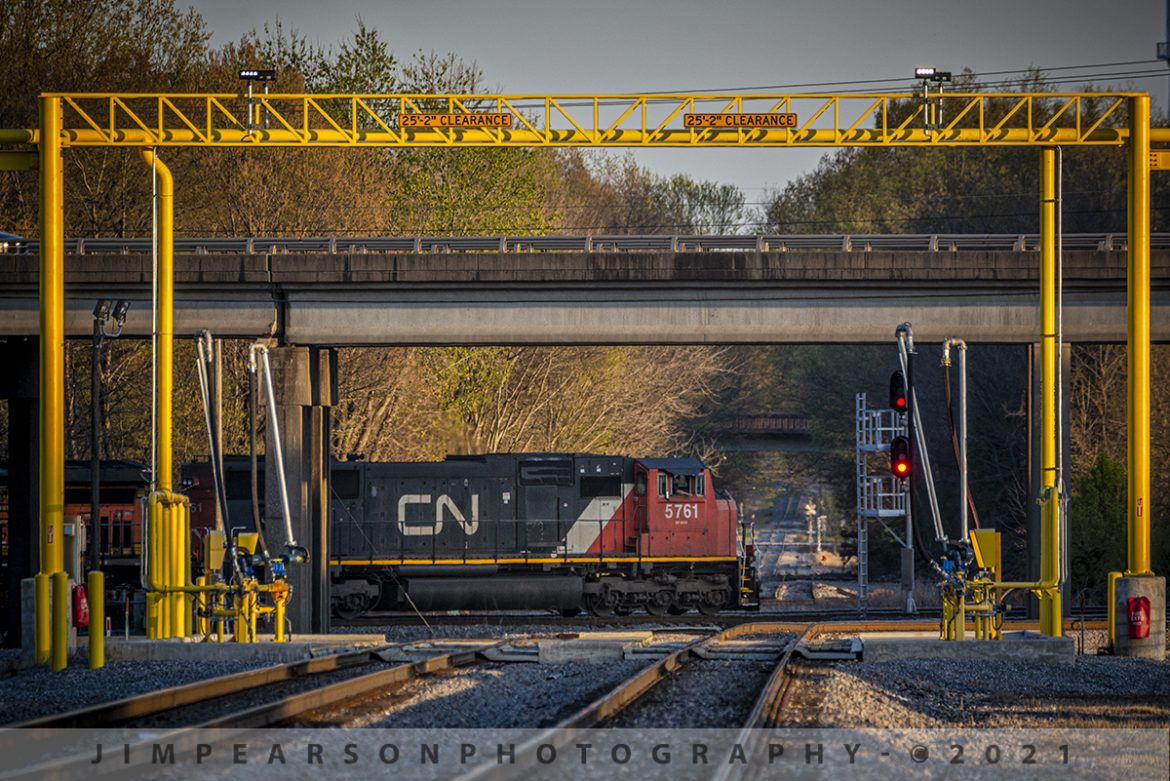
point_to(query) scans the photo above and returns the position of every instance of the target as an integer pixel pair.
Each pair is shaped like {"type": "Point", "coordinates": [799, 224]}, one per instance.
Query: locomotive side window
{"type": "Point", "coordinates": [607, 486]}
{"type": "Point", "coordinates": [640, 484]}
{"type": "Point", "coordinates": [663, 485]}
{"type": "Point", "coordinates": [701, 485]}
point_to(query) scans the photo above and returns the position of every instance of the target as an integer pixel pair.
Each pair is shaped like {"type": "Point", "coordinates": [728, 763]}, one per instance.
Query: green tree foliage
{"type": "Point", "coordinates": [703, 207]}
{"type": "Point", "coordinates": [1097, 526]}
{"type": "Point", "coordinates": [964, 190]}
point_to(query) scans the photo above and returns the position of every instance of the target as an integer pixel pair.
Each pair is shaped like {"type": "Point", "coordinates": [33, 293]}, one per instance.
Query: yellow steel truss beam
{"type": "Point", "coordinates": [874, 119]}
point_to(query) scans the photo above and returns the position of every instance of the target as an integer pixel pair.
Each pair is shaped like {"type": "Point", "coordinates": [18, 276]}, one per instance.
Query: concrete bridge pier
{"type": "Point", "coordinates": [304, 382]}
{"type": "Point", "coordinates": [20, 386]}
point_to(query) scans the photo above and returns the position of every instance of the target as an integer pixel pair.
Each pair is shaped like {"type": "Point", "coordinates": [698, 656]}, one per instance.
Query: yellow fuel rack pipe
{"type": "Point", "coordinates": [168, 580]}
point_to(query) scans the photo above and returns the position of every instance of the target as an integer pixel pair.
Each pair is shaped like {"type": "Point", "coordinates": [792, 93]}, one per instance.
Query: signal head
{"type": "Point", "coordinates": [898, 396]}
{"type": "Point", "coordinates": [900, 457]}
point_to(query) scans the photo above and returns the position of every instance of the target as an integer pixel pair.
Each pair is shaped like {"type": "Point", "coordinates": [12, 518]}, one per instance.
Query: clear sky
{"type": "Point", "coordinates": [691, 45]}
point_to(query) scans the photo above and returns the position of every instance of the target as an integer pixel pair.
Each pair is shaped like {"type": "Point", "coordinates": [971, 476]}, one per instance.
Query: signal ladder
{"type": "Point", "coordinates": [880, 495]}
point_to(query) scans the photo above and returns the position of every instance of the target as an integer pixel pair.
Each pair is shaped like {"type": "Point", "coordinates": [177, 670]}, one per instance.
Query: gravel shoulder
{"type": "Point", "coordinates": [1094, 691]}
{"type": "Point", "coordinates": [36, 692]}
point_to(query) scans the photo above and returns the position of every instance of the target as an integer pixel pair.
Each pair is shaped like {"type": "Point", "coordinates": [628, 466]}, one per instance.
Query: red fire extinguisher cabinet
{"type": "Point", "coordinates": [1139, 617]}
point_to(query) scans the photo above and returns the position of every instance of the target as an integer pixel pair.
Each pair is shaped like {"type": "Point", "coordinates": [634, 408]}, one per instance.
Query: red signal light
{"type": "Point", "coordinates": [898, 391]}
{"type": "Point", "coordinates": [900, 457]}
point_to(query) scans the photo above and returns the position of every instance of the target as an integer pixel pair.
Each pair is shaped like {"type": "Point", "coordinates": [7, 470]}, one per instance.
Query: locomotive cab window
{"type": "Point", "coordinates": [663, 485]}
{"type": "Point", "coordinates": [688, 485]}
{"type": "Point", "coordinates": [640, 484]}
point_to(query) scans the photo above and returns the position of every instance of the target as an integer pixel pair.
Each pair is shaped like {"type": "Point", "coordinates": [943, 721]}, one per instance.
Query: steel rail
{"type": "Point", "coordinates": [592, 243]}
{"type": "Point", "coordinates": [184, 738]}
{"type": "Point", "coordinates": [335, 693]}
{"type": "Point", "coordinates": [137, 706]}
{"type": "Point", "coordinates": [765, 712]}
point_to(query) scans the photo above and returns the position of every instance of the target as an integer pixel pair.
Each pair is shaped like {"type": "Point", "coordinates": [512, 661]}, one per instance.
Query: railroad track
{"type": "Point", "coordinates": [357, 681]}
{"type": "Point", "coordinates": [165, 714]}
{"type": "Point", "coordinates": [605, 710]}
{"type": "Point", "coordinates": [635, 620]}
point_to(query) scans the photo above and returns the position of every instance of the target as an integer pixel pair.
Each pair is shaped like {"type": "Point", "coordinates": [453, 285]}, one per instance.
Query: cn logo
{"type": "Point", "coordinates": [443, 503]}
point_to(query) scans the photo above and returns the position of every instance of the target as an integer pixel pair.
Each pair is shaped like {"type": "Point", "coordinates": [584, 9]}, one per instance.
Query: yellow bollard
{"type": "Point", "coordinates": [59, 649]}
{"type": "Point", "coordinates": [278, 621]}
{"type": "Point", "coordinates": [43, 632]}
{"type": "Point", "coordinates": [280, 594]}
{"type": "Point", "coordinates": [96, 587]}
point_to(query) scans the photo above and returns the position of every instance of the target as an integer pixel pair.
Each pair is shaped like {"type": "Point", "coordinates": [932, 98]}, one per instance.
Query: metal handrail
{"type": "Point", "coordinates": [600, 243]}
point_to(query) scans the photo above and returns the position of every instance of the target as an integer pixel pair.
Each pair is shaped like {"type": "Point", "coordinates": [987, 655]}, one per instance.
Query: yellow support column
{"type": "Point", "coordinates": [60, 644]}
{"type": "Point", "coordinates": [52, 368]}
{"type": "Point", "coordinates": [43, 632]}
{"type": "Point", "coordinates": [1050, 603]}
{"type": "Point", "coordinates": [1138, 346]}
{"type": "Point", "coordinates": [96, 588]}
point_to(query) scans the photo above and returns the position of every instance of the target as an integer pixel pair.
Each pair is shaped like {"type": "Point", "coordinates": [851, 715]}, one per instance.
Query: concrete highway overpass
{"type": "Point", "coordinates": [639, 297]}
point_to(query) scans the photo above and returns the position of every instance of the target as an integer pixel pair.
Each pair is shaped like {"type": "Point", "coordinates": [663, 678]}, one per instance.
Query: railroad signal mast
{"type": "Point", "coordinates": [883, 490]}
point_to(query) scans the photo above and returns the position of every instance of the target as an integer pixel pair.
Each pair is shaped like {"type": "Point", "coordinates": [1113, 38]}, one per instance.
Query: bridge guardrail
{"type": "Point", "coordinates": [871, 242]}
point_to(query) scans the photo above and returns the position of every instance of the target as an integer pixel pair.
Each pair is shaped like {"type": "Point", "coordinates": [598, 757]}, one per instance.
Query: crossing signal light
{"type": "Point", "coordinates": [898, 398]}
{"type": "Point", "coordinates": [900, 457]}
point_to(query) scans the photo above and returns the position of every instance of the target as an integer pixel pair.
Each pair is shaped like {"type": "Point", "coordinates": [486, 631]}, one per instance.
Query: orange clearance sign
{"type": "Point", "coordinates": [739, 120]}
{"type": "Point", "coordinates": [483, 119]}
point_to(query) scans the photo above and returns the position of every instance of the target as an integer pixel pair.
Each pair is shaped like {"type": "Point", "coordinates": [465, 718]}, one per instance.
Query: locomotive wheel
{"type": "Point", "coordinates": [659, 603]}
{"type": "Point", "coordinates": [713, 602]}
{"type": "Point", "coordinates": [678, 610]}
{"type": "Point", "coordinates": [352, 606]}
{"type": "Point", "coordinates": [707, 609]}
{"type": "Point", "coordinates": [602, 605]}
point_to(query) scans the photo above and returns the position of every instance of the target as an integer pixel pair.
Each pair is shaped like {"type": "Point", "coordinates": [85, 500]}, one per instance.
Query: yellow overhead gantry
{"type": "Point", "coordinates": [906, 119]}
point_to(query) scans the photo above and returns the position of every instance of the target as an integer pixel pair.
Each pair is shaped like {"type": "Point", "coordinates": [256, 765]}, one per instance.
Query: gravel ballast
{"type": "Point", "coordinates": [704, 693]}
{"type": "Point", "coordinates": [494, 696]}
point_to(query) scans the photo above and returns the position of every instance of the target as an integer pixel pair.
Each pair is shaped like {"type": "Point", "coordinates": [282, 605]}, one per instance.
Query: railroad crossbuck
{"type": "Point", "coordinates": [156, 121]}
